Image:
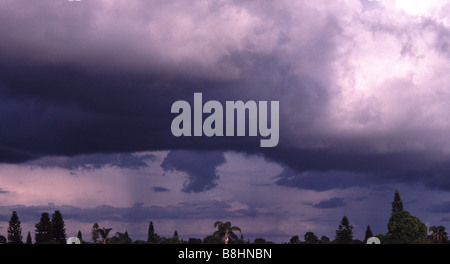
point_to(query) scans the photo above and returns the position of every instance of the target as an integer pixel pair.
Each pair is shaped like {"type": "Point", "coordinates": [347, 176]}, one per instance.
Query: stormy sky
{"type": "Point", "coordinates": [86, 90]}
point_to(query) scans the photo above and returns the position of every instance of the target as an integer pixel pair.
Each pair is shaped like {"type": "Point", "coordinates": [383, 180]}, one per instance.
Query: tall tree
{"type": "Point", "coordinates": [175, 238]}
{"type": "Point", "coordinates": [43, 232]}
{"type": "Point", "coordinates": [368, 234]}
{"type": "Point", "coordinates": [80, 236]}
{"type": "Point", "coordinates": [344, 234]}
{"type": "Point", "coordinates": [397, 204]}
{"type": "Point", "coordinates": [14, 229]}
{"type": "Point", "coordinates": [58, 228]}
{"type": "Point", "coordinates": [225, 230]}
{"type": "Point", "coordinates": [151, 236]}
{"type": "Point", "coordinates": [29, 240]}
{"type": "Point", "coordinates": [94, 232]}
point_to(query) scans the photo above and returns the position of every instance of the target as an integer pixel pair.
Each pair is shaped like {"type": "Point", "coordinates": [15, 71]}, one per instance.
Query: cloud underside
{"type": "Point", "coordinates": [363, 88]}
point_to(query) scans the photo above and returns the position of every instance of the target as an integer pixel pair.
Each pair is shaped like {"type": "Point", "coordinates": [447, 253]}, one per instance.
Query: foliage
{"type": "Point", "coordinates": [14, 230]}
{"type": "Point", "coordinates": [43, 232]}
{"type": "Point", "coordinates": [104, 232]}
{"type": "Point", "coordinates": [368, 234]}
{"type": "Point", "coordinates": [438, 235]}
{"type": "Point", "coordinates": [397, 204]}
{"type": "Point", "coordinates": [120, 238]}
{"type": "Point", "coordinates": [226, 228]}
{"type": "Point", "coordinates": [213, 239]}
{"type": "Point", "coordinates": [311, 238]}
{"type": "Point", "coordinates": [152, 237]}
{"type": "Point", "coordinates": [29, 240]}
{"type": "Point", "coordinates": [294, 240]}
{"type": "Point", "coordinates": [58, 228]}
{"type": "Point", "coordinates": [80, 236]}
{"type": "Point", "coordinates": [95, 233]}
{"type": "Point", "coordinates": [344, 234]}
{"type": "Point", "coordinates": [405, 228]}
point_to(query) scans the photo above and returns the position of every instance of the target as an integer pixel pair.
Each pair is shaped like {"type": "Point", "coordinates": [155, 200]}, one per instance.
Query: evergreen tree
{"type": "Point", "coordinates": [29, 241]}
{"type": "Point", "coordinates": [95, 233]}
{"type": "Point", "coordinates": [79, 236]}
{"type": "Point", "coordinates": [58, 228]}
{"type": "Point", "coordinates": [397, 204]}
{"type": "Point", "coordinates": [369, 234]}
{"type": "Point", "coordinates": [14, 230]}
{"type": "Point", "coordinates": [344, 234]}
{"type": "Point", "coordinates": [175, 237]}
{"type": "Point", "coordinates": [151, 237]}
{"type": "Point", "coordinates": [43, 232]}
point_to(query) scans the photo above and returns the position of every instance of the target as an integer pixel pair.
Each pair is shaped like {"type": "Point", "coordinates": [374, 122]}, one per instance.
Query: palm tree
{"type": "Point", "coordinates": [226, 231]}
{"type": "Point", "coordinates": [104, 232]}
{"type": "Point", "coordinates": [438, 234]}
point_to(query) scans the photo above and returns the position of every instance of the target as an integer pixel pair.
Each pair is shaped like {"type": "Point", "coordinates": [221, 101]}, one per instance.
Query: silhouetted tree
{"type": "Point", "coordinates": [226, 228]}
{"type": "Point", "coordinates": [368, 234]}
{"type": "Point", "coordinates": [175, 237]}
{"type": "Point", "coordinates": [58, 228]}
{"type": "Point", "coordinates": [43, 233]}
{"type": "Point", "coordinates": [152, 237]}
{"type": "Point", "coordinates": [294, 240]}
{"type": "Point", "coordinates": [121, 238]}
{"type": "Point", "coordinates": [80, 236]}
{"type": "Point", "coordinates": [94, 232]}
{"type": "Point", "coordinates": [104, 232]}
{"type": "Point", "coordinates": [438, 234]}
{"type": "Point", "coordinates": [14, 229]}
{"type": "Point", "coordinates": [324, 240]}
{"type": "Point", "coordinates": [311, 238]}
{"type": "Point", "coordinates": [344, 234]}
{"type": "Point", "coordinates": [397, 204]}
{"type": "Point", "coordinates": [29, 241]}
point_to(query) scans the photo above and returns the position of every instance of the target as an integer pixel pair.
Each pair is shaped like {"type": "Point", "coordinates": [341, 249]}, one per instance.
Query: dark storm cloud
{"type": "Point", "coordinates": [94, 161]}
{"type": "Point", "coordinates": [330, 203]}
{"type": "Point", "coordinates": [136, 213]}
{"type": "Point", "coordinates": [199, 166]}
{"type": "Point", "coordinates": [160, 189]}
{"type": "Point", "coordinates": [101, 78]}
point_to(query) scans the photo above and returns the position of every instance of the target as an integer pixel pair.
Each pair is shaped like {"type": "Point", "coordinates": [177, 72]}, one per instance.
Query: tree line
{"type": "Point", "coordinates": [403, 228]}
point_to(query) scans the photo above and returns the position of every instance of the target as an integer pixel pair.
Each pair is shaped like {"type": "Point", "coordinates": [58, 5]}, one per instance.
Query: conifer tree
{"type": "Point", "coordinates": [152, 237]}
{"type": "Point", "coordinates": [344, 234]}
{"type": "Point", "coordinates": [368, 234]}
{"type": "Point", "coordinates": [80, 236]}
{"type": "Point", "coordinates": [95, 233]}
{"type": "Point", "coordinates": [397, 204]}
{"type": "Point", "coordinates": [43, 232]}
{"type": "Point", "coordinates": [58, 228]}
{"type": "Point", "coordinates": [29, 241]}
{"type": "Point", "coordinates": [14, 230]}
